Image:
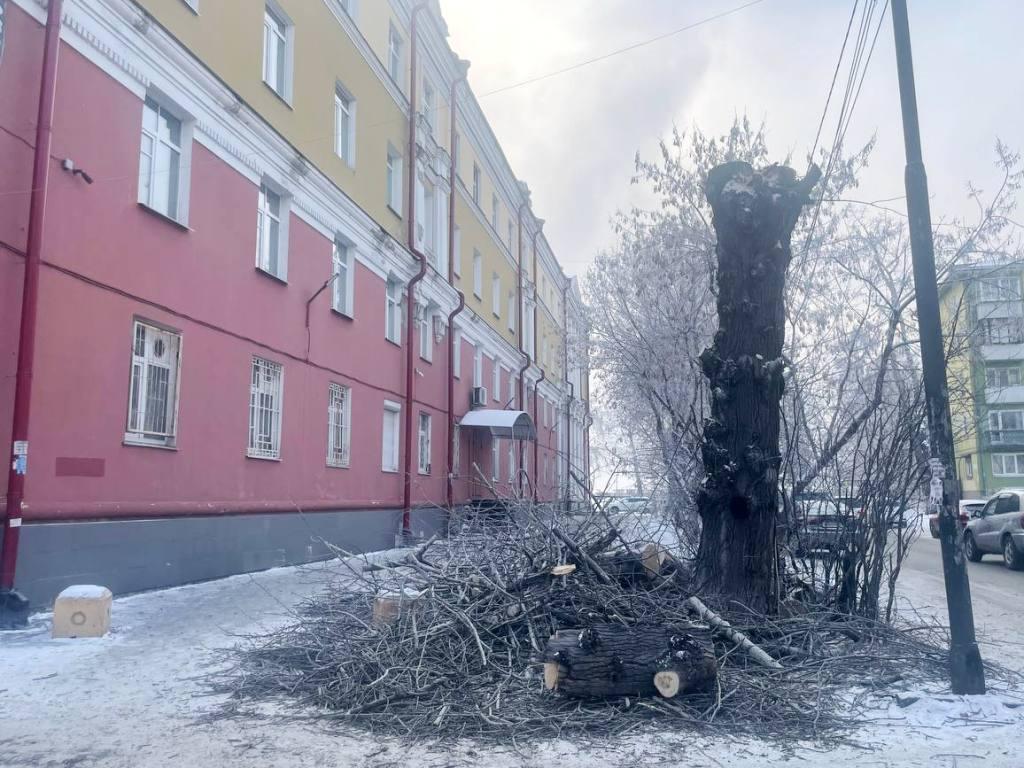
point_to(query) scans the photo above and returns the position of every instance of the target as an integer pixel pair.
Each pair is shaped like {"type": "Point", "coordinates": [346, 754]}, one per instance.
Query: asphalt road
{"type": "Point", "coordinates": [997, 594]}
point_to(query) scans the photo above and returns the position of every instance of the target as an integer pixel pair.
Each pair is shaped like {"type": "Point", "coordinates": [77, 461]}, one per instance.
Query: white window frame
{"type": "Point", "coordinates": [160, 142]}
{"type": "Point", "coordinates": [995, 374]}
{"type": "Point", "coordinates": [999, 289]}
{"type": "Point", "coordinates": [339, 425]}
{"type": "Point", "coordinates": [512, 311]}
{"type": "Point", "coordinates": [145, 359]}
{"type": "Point", "coordinates": [496, 294]}
{"type": "Point", "coordinates": [389, 460]}
{"type": "Point", "coordinates": [265, 415]}
{"type": "Point", "coordinates": [495, 380]}
{"type": "Point", "coordinates": [343, 272]}
{"type": "Point", "coordinates": [478, 367]}
{"type": "Point", "coordinates": [969, 467]}
{"type": "Point", "coordinates": [426, 339]}
{"type": "Point", "coordinates": [396, 55]}
{"type": "Point", "coordinates": [494, 212]}
{"type": "Point", "coordinates": [394, 179]}
{"type": "Point", "coordinates": [345, 124]}
{"type": "Point", "coordinates": [393, 310]}
{"type": "Point", "coordinates": [997, 427]}
{"type": "Point", "coordinates": [456, 450]}
{"type": "Point", "coordinates": [278, 75]}
{"type": "Point", "coordinates": [423, 444]}
{"type": "Point", "coordinates": [477, 185]}
{"type": "Point", "coordinates": [265, 219]}
{"type": "Point", "coordinates": [457, 253]}
{"type": "Point", "coordinates": [511, 460]}
{"type": "Point", "coordinates": [478, 274]}
{"type": "Point", "coordinates": [495, 459]}
{"type": "Point", "coordinates": [1000, 463]}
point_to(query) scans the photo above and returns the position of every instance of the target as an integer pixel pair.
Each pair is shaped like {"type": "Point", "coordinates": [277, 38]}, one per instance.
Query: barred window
{"type": "Point", "coordinates": [153, 394]}
{"type": "Point", "coordinates": [338, 425]}
{"type": "Point", "coordinates": [265, 395]}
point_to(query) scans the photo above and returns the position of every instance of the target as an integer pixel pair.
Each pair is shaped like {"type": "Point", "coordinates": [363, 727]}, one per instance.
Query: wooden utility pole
{"type": "Point", "coordinates": [967, 674]}
{"type": "Point", "coordinates": [754, 216]}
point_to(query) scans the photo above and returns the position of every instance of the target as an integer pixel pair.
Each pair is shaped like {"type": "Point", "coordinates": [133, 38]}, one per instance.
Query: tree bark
{"type": "Point", "coordinates": [607, 660]}
{"type": "Point", "coordinates": [754, 216]}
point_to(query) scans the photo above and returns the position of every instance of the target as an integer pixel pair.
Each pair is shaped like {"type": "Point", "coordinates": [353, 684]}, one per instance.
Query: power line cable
{"type": "Point", "coordinates": [835, 76]}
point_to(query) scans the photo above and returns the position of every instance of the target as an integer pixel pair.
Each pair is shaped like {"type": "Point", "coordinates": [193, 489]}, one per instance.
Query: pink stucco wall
{"type": "Point", "coordinates": [107, 261]}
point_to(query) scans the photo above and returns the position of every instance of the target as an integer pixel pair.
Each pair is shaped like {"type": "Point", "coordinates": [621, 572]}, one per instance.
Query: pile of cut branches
{"type": "Point", "coordinates": [450, 639]}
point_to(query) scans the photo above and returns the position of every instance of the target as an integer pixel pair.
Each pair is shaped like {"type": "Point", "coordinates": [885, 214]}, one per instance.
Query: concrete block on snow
{"type": "Point", "coordinates": [82, 610]}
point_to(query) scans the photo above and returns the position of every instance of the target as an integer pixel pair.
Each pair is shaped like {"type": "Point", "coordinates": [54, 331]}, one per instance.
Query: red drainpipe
{"type": "Point", "coordinates": [568, 408]}
{"type": "Point", "coordinates": [410, 324]}
{"type": "Point", "coordinates": [519, 334]}
{"type": "Point", "coordinates": [536, 393]}
{"type": "Point", "coordinates": [452, 174]}
{"type": "Point", "coordinates": [30, 294]}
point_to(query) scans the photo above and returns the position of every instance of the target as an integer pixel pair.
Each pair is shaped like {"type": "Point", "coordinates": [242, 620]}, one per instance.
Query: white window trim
{"type": "Point", "coordinates": [496, 294]}
{"type": "Point", "coordinates": [393, 304]}
{"type": "Point", "coordinates": [424, 467]}
{"type": "Point", "coordinates": [478, 274]}
{"type": "Point", "coordinates": [274, 9]}
{"type": "Point", "coordinates": [343, 257]}
{"type": "Point", "coordinates": [396, 71]}
{"type": "Point", "coordinates": [142, 438]}
{"type": "Point", "coordinates": [187, 123]}
{"type": "Point", "coordinates": [345, 145]}
{"type": "Point", "coordinates": [457, 354]}
{"type": "Point", "coordinates": [394, 195]}
{"type": "Point", "coordinates": [495, 459]}
{"type": "Point", "coordinates": [386, 462]}
{"type": "Point", "coordinates": [511, 460]}
{"type": "Point", "coordinates": [457, 253]}
{"type": "Point", "coordinates": [496, 381]}
{"type": "Point", "coordinates": [426, 338]}
{"type": "Point", "coordinates": [333, 460]}
{"type": "Point", "coordinates": [283, 216]}
{"type": "Point", "coordinates": [1018, 461]}
{"type": "Point", "coordinates": [276, 413]}
{"type": "Point", "coordinates": [478, 367]}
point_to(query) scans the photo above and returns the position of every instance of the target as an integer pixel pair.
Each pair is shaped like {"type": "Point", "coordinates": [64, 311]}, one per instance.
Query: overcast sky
{"type": "Point", "coordinates": [573, 137]}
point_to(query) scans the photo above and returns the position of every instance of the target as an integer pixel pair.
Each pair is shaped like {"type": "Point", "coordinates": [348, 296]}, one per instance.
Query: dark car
{"type": "Point", "coordinates": [822, 525]}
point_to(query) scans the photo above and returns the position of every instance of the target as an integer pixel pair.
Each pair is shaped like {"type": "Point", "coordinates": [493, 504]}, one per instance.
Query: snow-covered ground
{"type": "Point", "coordinates": [137, 698]}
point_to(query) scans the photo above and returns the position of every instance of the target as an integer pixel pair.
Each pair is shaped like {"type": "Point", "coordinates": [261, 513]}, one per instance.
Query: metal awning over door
{"type": "Point", "coordinates": [501, 423]}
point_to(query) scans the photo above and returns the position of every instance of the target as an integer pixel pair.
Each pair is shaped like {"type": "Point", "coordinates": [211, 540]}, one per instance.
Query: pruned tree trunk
{"type": "Point", "coordinates": [613, 660]}
{"type": "Point", "coordinates": [754, 216]}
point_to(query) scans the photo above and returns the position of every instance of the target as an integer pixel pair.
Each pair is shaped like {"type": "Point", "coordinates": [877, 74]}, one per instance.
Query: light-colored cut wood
{"type": "Point", "coordinates": [667, 683]}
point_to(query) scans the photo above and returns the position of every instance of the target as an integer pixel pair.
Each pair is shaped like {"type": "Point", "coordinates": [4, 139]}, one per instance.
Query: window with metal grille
{"type": "Point", "coordinates": [345, 126]}
{"type": "Point", "coordinates": [265, 393]}
{"type": "Point", "coordinates": [338, 421]}
{"type": "Point", "coordinates": [269, 250]}
{"type": "Point", "coordinates": [342, 295]}
{"type": "Point", "coordinates": [160, 168]}
{"type": "Point", "coordinates": [276, 51]}
{"type": "Point", "coordinates": [153, 393]}
{"type": "Point", "coordinates": [389, 442]}
{"type": "Point", "coordinates": [424, 444]}
{"type": "Point", "coordinates": [393, 311]}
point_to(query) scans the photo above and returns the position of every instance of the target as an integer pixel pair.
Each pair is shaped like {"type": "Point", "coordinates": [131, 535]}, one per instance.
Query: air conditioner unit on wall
{"type": "Point", "coordinates": [478, 397]}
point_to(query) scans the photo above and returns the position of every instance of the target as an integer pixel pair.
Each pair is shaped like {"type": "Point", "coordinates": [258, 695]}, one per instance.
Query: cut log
{"type": "Point", "coordinates": [634, 568]}
{"type": "Point", "coordinates": [606, 660]}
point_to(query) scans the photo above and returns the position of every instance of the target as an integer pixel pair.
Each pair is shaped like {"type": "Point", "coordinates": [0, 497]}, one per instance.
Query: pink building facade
{"type": "Point", "coordinates": [273, 426]}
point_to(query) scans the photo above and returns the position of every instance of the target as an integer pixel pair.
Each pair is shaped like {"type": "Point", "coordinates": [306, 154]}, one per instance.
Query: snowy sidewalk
{"type": "Point", "coordinates": [137, 699]}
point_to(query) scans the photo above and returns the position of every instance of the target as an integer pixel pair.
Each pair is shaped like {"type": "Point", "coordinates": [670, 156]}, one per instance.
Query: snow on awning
{"type": "Point", "coordinates": [514, 424]}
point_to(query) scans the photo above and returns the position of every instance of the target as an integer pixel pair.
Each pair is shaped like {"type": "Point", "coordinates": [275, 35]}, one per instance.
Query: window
{"type": "Point", "coordinates": [1006, 426]}
{"type": "Point", "coordinates": [163, 177]}
{"type": "Point", "coordinates": [429, 112]}
{"type": "Point", "coordinates": [511, 389]}
{"type": "Point", "coordinates": [999, 289]}
{"type": "Point", "coordinates": [1007, 503]}
{"type": "Point", "coordinates": [1002, 330]}
{"type": "Point", "coordinates": [1002, 377]}
{"type": "Point", "coordinates": [456, 449]}
{"type": "Point", "coordinates": [424, 444]}
{"type": "Point", "coordinates": [338, 421]}
{"type": "Point", "coordinates": [277, 54]}
{"type": "Point", "coordinates": [1007, 464]}
{"type": "Point", "coordinates": [511, 460]}
{"type": "Point", "coordinates": [457, 252]}
{"type": "Point", "coordinates": [494, 211]}
{"type": "Point", "coordinates": [389, 444]}
{"type": "Point", "coordinates": [153, 393]}
{"type": "Point", "coordinates": [395, 52]}
{"type": "Point", "coordinates": [393, 181]}
{"type": "Point", "coordinates": [393, 311]}
{"type": "Point", "coordinates": [345, 126]}
{"type": "Point", "coordinates": [496, 295]}
{"type": "Point", "coordinates": [512, 311]}
{"type": "Point", "coordinates": [265, 409]}
{"type": "Point", "coordinates": [426, 343]}
{"type": "Point", "coordinates": [969, 467]}
{"type": "Point", "coordinates": [271, 239]}
{"type": "Point", "coordinates": [495, 459]}
{"type": "Point", "coordinates": [478, 274]}
{"type": "Point", "coordinates": [496, 382]}
{"type": "Point", "coordinates": [476, 183]}
{"type": "Point", "coordinates": [457, 355]}
{"type": "Point", "coordinates": [510, 233]}
{"type": "Point", "coordinates": [478, 367]}
{"type": "Point", "coordinates": [344, 278]}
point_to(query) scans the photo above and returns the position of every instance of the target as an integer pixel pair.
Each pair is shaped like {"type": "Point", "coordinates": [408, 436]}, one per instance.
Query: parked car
{"type": "Point", "coordinates": [968, 509]}
{"type": "Point", "coordinates": [616, 504]}
{"type": "Point", "coordinates": [822, 525]}
{"type": "Point", "coordinates": [998, 529]}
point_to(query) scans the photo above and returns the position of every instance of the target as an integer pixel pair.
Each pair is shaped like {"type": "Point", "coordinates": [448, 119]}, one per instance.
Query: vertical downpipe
{"type": "Point", "coordinates": [30, 300]}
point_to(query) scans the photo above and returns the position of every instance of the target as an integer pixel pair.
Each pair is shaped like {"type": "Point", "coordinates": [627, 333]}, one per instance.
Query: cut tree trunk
{"type": "Point", "coordinates": [606, 660]}
{"type": "Point", "coordinates": [754, 216]}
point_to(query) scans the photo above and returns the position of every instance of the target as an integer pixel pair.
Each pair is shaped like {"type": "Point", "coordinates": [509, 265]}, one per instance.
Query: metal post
{"type": "Point", "coordinates": [967, 674]}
